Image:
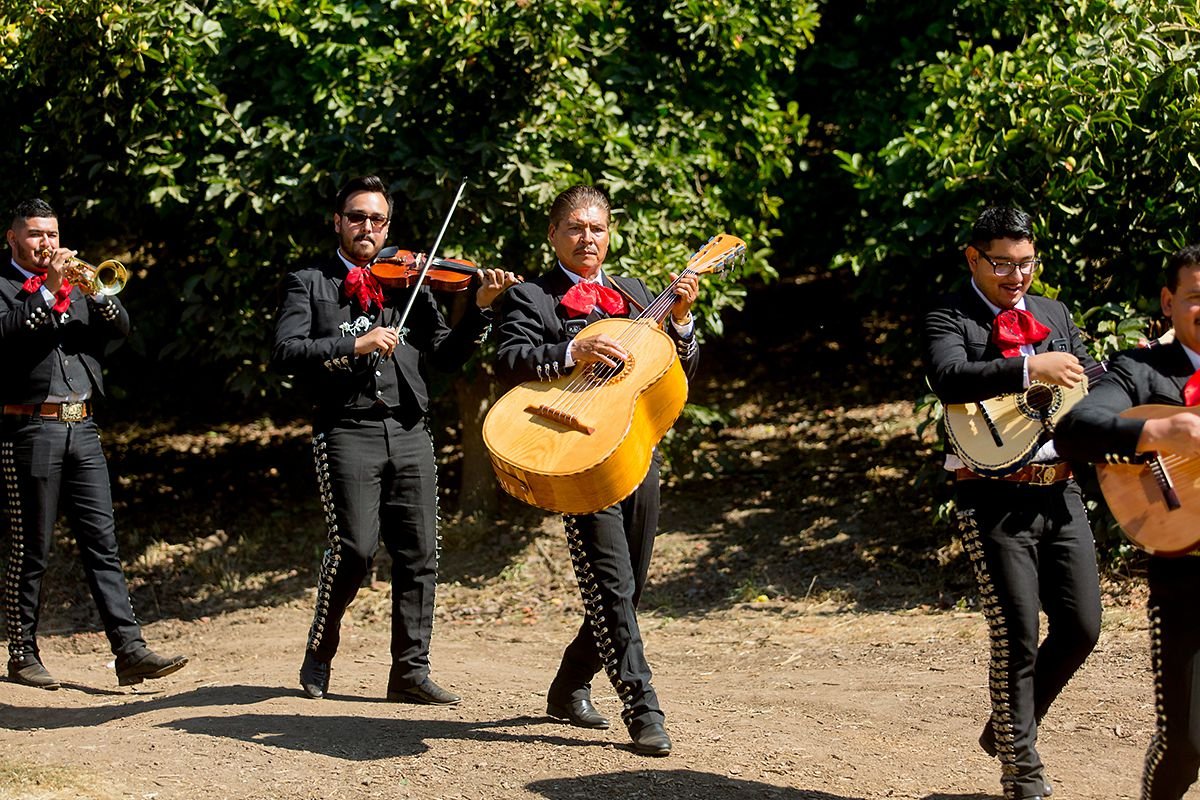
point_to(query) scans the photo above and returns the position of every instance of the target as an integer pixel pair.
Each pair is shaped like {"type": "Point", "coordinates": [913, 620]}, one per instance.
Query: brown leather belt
{"type": "Point", "coordinates": [1033, 474]}
{"type": "Point", "coordinates": [63, 412]}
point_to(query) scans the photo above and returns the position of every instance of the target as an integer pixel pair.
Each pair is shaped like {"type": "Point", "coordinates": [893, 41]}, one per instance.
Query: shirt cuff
{"type": "Point", "coordinates": [685, 331]}
{"type": "Point", "coordinates": [1025, 372]}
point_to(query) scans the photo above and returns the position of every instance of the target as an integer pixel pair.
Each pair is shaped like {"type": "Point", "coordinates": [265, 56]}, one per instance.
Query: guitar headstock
{"type": "Point", "coordinates": [722, 253]}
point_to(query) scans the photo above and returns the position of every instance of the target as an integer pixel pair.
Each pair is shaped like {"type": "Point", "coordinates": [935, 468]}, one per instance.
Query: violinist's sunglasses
{"type": "Point", "coordinates": [358, 218]}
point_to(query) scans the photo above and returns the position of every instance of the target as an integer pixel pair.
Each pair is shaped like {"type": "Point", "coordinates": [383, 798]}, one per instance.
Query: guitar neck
{"type": "Point", "coordinates": [1095, 370]}
{"type": "Point", "coordinates": [661, 306]}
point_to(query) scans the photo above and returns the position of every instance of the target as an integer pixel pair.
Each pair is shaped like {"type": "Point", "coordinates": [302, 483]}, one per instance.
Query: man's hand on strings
{"type": "Point", "coordinates": [687, 290]}
{"type": "Point", "coordinates": [602, 348]}
{"type": "Point", "coordinates": [492, 283]}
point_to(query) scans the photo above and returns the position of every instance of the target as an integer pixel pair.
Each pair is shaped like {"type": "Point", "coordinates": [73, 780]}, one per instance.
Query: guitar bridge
{"type": "Point", "coordinates": [561, 417]}
{"type": "Point", "coordinates": [1163, 478]}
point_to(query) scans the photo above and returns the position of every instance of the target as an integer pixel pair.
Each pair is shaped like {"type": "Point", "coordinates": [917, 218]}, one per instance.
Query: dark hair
{"type": "Point", "coordinates": [1000, 222]}
{"type": "Point", "coordinates": [363, 183]}
{"type": "Point", "coordinates": [33, 207]}
{"type": "Point", "coordinates": [579, 196]}
{"type": "Point", "coordinates": [1187, 257]}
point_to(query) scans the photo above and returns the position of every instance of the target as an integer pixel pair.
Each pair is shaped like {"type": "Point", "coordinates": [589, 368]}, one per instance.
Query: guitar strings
{"type": "Point", "coordinates": [578, 392]}
{"type": "Point", "coordinates": [598, 374]}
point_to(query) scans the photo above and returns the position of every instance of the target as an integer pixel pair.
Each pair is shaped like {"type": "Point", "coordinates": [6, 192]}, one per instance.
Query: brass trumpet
{"type": "Point", "coordinates": [106, 278]}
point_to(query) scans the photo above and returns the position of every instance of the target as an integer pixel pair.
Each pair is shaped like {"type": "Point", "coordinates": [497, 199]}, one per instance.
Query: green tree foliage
{"type": "Point", "coordinates": [208, 138]}
{"type": "Point", "coordinates": [1088, 120]}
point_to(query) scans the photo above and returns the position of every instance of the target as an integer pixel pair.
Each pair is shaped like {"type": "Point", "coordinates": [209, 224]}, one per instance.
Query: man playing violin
{"type": "Point", "coordinates": [337, 332]}
{"type": "Point", "coordinates": [610, 549]}
{"type": "Point", "coordinates": [1094, 431]}
{"type": "Point", "coordinates": [1027, 532]}
{"type": "Point", "coordinates": [52, 336]}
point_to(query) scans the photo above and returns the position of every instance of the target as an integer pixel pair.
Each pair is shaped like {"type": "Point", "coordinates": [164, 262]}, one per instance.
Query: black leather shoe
{"type": "Point", "coordinates": [426, 693]}
{"type": "Point", "coordinates": [314, 676]}
{"type": "Point", "coordinates": [580, 713]}
{"type": "Point", "coordinates": [652, 740]}
{"type": "Point", "coordinates": [145, 664]}
{"type": "Point", "coordinates": [28, 670]}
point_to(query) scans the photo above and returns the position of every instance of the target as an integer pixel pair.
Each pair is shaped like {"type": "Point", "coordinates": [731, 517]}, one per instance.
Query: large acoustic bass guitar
{"type": "Point", "coordinates": [583, 442]}
{"type": "Point", "coordinates": [1156, 499]}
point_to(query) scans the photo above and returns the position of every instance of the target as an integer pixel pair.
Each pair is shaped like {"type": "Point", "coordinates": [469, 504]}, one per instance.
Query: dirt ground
{"type": "Point", "coordinates": [765, 700]}
{"type": "Point", "coordinates": [813, 629]}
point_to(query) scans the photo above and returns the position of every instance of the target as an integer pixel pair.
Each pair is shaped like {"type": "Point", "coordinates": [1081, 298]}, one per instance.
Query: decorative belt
{"type": "Point", "coordinates": [63, 412]}
{"type": "Point", "coordinates": [1033, 474]}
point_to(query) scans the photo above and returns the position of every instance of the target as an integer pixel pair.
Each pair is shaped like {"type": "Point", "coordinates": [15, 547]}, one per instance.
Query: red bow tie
{"type": "Point", "coordinates": [363, 287]}
{"type": "Point", "coordinates": [1191, 390]}
{"type": "Point", "coordinates": [581, 298]}
{"type": "Point", "coordinates": [62, 298]}
{"type": "Point", "coordinates": [1015, 327]}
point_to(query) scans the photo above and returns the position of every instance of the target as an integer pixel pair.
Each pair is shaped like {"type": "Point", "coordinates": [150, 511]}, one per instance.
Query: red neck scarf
{"type": "Point", "coordinates": [62, 298]}
{"type": "Point", "coordinates": [1015, 327]}
{"type": "Point", "coordinates": [362, 286]}
{"type": "Point", "coordinates": [584, 296]}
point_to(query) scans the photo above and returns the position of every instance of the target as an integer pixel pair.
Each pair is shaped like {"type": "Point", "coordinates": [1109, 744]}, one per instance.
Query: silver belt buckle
{"type": "Point", "coordinates": [72, 412]}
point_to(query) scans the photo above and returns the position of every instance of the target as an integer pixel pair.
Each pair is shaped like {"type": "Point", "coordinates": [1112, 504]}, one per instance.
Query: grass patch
{"type": "Point", "coordinates": [37, 782]}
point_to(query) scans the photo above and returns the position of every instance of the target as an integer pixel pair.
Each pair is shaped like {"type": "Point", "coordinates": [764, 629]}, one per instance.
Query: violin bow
{"type": "Point", "coordinates": [412, 298]}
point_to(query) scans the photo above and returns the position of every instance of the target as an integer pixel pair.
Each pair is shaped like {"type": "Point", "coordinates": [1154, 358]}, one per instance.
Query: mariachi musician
{"type": "Point", "coordinates": [337, 332]}
{"type": "Point", "coordinates": [1095, 431]}
{"type": "Point", "coordinates": [1027, 532]}
{"type": "Point", "coordinates": [52, 336]}
{"type": "Point", "coordinates": [610, 549]}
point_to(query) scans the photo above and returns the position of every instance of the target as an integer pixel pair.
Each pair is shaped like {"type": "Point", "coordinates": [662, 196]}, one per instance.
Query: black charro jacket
{"type": "Point", "coordinates": [34, 338]}
{"type": "Point", "coordinates": [314, 341]}
{"type": "Point", "coordinates": [964, 365]}
{"type": "Point", "coordinates": [534, 330]}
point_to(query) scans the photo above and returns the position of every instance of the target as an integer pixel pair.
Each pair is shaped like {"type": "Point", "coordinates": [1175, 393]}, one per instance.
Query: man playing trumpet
{"type": "Point", "coordinates": [52, 335]}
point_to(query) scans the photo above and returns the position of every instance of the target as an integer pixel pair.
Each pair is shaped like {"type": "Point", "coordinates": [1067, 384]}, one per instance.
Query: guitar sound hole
{"type": "Point", "coordinates": [1039, 398]}
{"type": "Point", "coordinates": [612, 374]}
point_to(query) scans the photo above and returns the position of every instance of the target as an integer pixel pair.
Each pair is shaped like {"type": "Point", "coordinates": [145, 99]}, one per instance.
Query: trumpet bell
{"type": "Point", "coordinates": [109, 277]}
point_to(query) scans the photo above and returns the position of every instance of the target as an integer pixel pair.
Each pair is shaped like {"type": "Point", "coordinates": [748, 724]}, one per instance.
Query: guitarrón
{"type": "Point", "coordinates": [583, 442]}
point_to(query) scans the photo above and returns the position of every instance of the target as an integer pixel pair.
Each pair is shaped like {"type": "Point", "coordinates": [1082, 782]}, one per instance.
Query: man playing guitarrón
{"type": "Point", "coordinates": [610, 549]}
{"type": "Point", "coordinates": [1095, 431]}
{"type": "Point", "coordinates": [1027, 532]}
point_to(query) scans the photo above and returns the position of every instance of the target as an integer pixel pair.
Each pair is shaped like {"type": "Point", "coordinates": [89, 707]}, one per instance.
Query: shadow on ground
{"type": "Point", "coordinates": [672, 784]}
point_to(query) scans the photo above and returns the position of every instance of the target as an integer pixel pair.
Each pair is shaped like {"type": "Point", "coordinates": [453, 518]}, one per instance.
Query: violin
{"type": "Point", "coordinates": [402, 269]}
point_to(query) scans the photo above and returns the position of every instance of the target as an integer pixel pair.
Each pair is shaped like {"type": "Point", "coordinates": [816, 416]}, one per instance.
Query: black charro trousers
{"type": "Point", "coordinates": [47, 463]}
{"type": "Point", "coordinates": [378, 481]}
{"type": "Point", "coordinates": [1031, 548]}
{"type": "Point", "coordinates": [610, 551]}
{"type": "Point", "coordinates": [1173, 758]}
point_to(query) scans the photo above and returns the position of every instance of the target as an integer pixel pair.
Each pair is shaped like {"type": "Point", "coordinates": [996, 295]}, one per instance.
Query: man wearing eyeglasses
{"type": "Point", "coordinates": [1027, 533]}
{"type": "Point", "coordinates": [338, 332]}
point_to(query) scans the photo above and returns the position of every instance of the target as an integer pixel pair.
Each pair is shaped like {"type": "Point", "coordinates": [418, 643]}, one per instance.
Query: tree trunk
{"type": "Point", "coordinates": [478, 500]}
